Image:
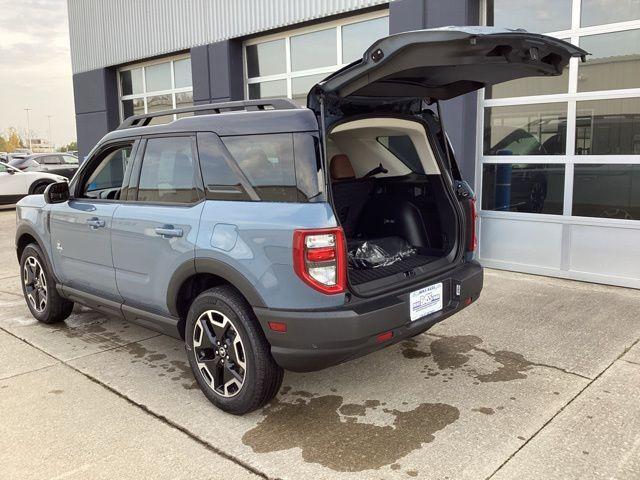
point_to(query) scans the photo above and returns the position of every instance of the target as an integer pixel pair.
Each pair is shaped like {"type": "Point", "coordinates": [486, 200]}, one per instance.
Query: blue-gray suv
{"type": "Point", "coordinates": [270, 236]}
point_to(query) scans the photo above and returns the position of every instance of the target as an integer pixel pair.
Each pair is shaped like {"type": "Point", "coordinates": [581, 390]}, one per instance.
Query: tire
{"type": "Point", "coordinates": [39, 288]}
{"type": "Point", "coordinates": [39, 189]}
{"type": "Point", "coordinates": [226, 315]}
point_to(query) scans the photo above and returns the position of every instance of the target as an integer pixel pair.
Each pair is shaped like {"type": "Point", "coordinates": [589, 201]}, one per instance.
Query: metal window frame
{"type": "Point", "coordinates": [145, 95]}
{"type": "Point", "coordinates": [570, 98]}
{"type": "Point", "coordinates": [288, 75]}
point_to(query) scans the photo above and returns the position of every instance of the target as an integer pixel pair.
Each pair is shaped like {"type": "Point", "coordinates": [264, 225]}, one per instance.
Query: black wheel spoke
{"type": "Point", "coordinates": [230, 373]}
{"type": "Point", "coordinates": [208, 339]}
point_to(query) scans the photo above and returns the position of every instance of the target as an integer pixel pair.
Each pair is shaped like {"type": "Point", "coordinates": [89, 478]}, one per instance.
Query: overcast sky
{"type": "Point", "coordinates": [35, 68]}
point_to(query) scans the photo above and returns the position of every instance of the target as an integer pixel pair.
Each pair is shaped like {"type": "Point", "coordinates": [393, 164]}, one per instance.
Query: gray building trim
{"type": "Point", "coordinates": [106, 33]}
{"type": "Point", "coordinates": [459, 114]}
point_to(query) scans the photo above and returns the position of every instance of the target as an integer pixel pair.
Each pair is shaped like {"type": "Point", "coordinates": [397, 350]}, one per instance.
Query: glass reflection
{"type": "Point", "coordinates": [520, 187]}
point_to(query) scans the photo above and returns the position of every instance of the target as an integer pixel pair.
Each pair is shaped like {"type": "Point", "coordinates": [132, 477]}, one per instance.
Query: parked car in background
{"type": "Point", "coordinates": [15, 184]}
{"type": "Point", "coordinates": [58, 163]}
{"type": "Point", "coordinates": [4, 157]}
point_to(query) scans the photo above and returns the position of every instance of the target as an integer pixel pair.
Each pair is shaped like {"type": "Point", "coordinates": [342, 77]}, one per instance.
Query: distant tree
{"type": "Point", "coordinates": [3, 144]}
{"type": "Point", "coordinates": [13, 140]}
{"type": "Point", "coordinates": [70, 147]}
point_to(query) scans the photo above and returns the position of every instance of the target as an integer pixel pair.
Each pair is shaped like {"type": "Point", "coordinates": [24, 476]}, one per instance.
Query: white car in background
{"type": "Point", "coordinates": [15, 184]}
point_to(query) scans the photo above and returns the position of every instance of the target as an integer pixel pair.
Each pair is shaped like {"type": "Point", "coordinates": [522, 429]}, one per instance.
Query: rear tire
{"type": "Point", "coordinates": [228, 353]}
{"type": "Point", "coordinates": [39, 288]}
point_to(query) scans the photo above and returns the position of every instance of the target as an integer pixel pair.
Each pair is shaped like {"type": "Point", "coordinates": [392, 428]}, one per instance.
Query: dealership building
{"type": "Point", "coordinates": [555, 162]}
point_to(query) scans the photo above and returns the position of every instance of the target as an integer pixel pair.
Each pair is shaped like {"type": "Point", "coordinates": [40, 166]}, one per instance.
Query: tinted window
{"type": "Point", "coordinates": [523, 187]}
{"type": "Point", "coordinates": [168, 171]}
{"type": "Point", "coordinates": [402, 147]}
{"type": "Point", "coordinates": [608, 127]}
{"type": "Point", "coordinates": [308, 168]}
{"type": "Point", "coordinates": [50, 160]}
{"type": "Point", "coordinates": [607, 191]}
{"type": "Point", "coordinates": [106, 179]}
{"type": "Point", "coordinates": [70, 159]}
{"type": "Point", "coordinates": [267, 162]}
{"type": "Point", "coordinates": [221, 180]}
{"type": "Point", "coordinates": [538, 129]}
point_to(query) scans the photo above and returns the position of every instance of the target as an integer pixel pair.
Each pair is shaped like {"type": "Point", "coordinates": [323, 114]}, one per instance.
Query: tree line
{"type": "Point", "coordinates": [11, 140]}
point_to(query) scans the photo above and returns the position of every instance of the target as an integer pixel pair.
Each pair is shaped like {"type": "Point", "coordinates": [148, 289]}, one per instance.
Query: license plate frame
{"type": "Point", "coordinates": [425, 301]}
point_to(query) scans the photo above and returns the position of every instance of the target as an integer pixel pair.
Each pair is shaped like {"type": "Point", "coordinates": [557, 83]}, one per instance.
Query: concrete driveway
{"type": "Point", "coordinates": [539, 379]}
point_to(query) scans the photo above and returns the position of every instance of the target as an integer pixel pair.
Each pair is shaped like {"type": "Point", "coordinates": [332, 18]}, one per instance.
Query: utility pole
{"type": "Point", "coordinates": [50, 143]}
{"type": "Point", "coordinates": [28, 127]}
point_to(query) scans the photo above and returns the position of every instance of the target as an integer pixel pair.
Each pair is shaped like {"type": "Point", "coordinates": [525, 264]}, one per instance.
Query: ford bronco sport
{"type": "Point", "coordinates": [272, 237]}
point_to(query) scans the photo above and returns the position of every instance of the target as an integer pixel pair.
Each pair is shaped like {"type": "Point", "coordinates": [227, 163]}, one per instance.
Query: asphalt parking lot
{"type": "Point", "coordinates": [539, 379]}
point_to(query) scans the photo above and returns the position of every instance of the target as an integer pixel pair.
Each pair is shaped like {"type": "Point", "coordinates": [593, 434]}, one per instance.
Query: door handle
{"type": "Point", "coordinates": [95, 222]}
{"type": "Point", "coordinates": [168, 231]}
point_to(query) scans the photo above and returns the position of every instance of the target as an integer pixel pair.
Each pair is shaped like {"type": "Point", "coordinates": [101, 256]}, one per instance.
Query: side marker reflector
{"type": "Point", "coordinates": [280, 327]}
{"type": "Point", "coordinates": [383, 337]}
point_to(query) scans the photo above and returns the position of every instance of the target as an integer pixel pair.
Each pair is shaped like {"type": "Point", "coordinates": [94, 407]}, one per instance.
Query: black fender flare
{"type": "Point", "coordinates": [214, 267]}
{"type": "Point", "coordinates": [26, 229]}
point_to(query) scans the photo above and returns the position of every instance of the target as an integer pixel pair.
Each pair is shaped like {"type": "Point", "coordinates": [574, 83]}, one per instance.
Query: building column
{"type": "Point", "coordinates": [96, 103]}
{"type": "Point", "coordinates": [217, 72]}
{"type": "Point", "coordinates": [459, 114]}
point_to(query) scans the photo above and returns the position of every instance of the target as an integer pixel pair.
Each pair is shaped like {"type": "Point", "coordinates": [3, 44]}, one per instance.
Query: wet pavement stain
{"type": "Point", "coordinates": [453, 353]}
{"type": "Point", "coordinates": [513, 366]}
{"type": "Point", "coordinates": [56, 392]}
{"type": "Point", "coordinates": [485, 410]}
{"type": "Point", "coordinates": [449, 352]}
{"type": "Point", "coordinates": [410, 350]}
{"type": "Point", "coordinates": [314, 425]}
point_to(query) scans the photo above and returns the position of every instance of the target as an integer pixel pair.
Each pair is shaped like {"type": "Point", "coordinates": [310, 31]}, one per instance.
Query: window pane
{"type": "Point", "coordinates": [607, 191]}
{"type": "Point", "coordinates": [159, 103]}
{"type": "Point", "coordinates": [273, 89]}
{"type": "Point", "coordinates": [403, 148]}
{"type": "Point", "coordinates": [357, 37]}
{"type": "Point", "coordinates": [131, 81]}
{"type": "Point", "coordinates": [300, 86]}
{"type": "Point", "coordinates": [608, 127]}
{"type": "Point", "coordinates": [268, 58]}
{"type": "Point", "coordinates": [614, 61]}
{"type": "Point", "coordinates": [308, 166]}
{"type": "Point", "coordinates": [168, 171]}
{"type": "Point", "coordinates": [267, 162]}
{"type": "Point", "coordinates": [220, 180]}
{"type": "Point", "coordinates": [106, 180]}
{"type": "Point", "coordinates": [313, 50]}
{"type": "Point", "coordinates": [598, 12]}
{"type": "Point", "coordinates": [530, 86]}
{"type": "Point", "coordinates": [184, 99]}
{"type": "Point", "coordinates": [539, 16]}
{"type": "Point", "coordinates": [523, 187]}
{"type": "Point", "coordinates": [158, 77]}
{"type": "Point", "coordinates": [182, 73]}
{"type": "Point", "coordinates": [538, 129]}
{"type": "Point", "coordinates": [132, 107]}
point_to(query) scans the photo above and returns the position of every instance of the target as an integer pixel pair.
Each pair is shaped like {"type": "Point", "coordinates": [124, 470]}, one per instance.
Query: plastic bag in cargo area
{"type": "Point", "coordinates": [379, 252]}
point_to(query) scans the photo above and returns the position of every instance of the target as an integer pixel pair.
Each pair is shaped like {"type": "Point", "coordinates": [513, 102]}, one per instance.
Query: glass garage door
{"type": "Point", "coordinates": [559, 173]}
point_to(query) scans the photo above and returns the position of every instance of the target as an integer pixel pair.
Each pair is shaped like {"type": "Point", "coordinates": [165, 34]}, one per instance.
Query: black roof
{"type": "Point", "coordinates": [225, 119]}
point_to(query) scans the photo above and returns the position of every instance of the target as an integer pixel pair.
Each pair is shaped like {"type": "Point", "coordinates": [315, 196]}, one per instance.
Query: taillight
{"type": "Point", "coordinates": [319, 259]}
{"type": "Point", "coordinates": [473, 241]}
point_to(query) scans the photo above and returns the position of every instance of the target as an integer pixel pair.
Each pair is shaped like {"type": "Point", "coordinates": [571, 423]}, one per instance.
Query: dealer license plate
{"type": "Point", "coordinates": [425, 301]}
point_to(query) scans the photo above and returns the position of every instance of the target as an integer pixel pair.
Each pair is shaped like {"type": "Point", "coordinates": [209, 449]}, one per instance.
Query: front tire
{"type": "Point", "coordinates": [39, 288]}
{"type": "Point", "coordinates": [40, 188]}
{"type": "Point", "coordinates": [228, 352]}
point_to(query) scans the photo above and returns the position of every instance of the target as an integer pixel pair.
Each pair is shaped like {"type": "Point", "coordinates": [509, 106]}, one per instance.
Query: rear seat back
{"type": "Point", "coordinates": [350, 194]}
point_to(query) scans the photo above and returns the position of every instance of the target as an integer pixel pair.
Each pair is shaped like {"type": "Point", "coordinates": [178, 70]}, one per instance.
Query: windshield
{"type": "Point", "coordinates": [4, 168]}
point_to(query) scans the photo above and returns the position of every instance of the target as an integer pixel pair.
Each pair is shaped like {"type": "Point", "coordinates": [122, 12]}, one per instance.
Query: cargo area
{"type": "Point", "coordinates": [391, 199]}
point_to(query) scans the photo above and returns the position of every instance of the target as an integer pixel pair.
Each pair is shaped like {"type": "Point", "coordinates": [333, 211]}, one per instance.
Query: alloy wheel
{"type": "Point", "coordinates": [219, 353]}
{"type": "Point", "coordinates": [35, 284]}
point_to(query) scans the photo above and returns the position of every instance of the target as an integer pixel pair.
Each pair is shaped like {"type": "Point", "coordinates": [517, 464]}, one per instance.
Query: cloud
{"type": "Point", "coordinates": [36, 66]}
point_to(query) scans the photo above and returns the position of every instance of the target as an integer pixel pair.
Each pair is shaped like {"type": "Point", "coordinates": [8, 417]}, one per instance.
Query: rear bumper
{"type": "Point", "coordinates": [316, 339]}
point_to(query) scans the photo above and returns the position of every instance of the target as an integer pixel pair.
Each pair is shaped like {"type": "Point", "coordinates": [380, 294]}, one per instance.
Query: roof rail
{"type": "Point", "coordinates": [212, 108]}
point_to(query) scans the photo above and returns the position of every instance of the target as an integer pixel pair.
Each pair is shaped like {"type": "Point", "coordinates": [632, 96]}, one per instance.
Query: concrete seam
{"type": "Point", "coordinates": [30, 371]}
{"type": "Point", "coordinates": [535, 364]}
{"type": "Point", "coordinates": [630, 361]}
{"type": "Point", "coordinates": [10, 293]}
{"type": "Point", "coordinates": [150, 412]}
{"type": "Point", "coordinates": [559, 411]}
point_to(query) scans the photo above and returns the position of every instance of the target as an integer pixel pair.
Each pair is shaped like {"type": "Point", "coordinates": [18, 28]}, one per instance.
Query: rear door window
{"type": "Point", "coordinates": [268, 163]}
{"type": "Point", "coordinates": [168, 172]}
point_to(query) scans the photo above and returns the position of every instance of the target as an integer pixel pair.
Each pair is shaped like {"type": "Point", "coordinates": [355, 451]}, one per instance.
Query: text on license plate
{"type": "Point", "coordinates": [425, 301]}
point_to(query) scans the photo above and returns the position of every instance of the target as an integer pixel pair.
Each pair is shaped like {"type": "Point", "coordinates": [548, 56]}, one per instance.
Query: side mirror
{"type": "Point", "coordinates": [57, 192]}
